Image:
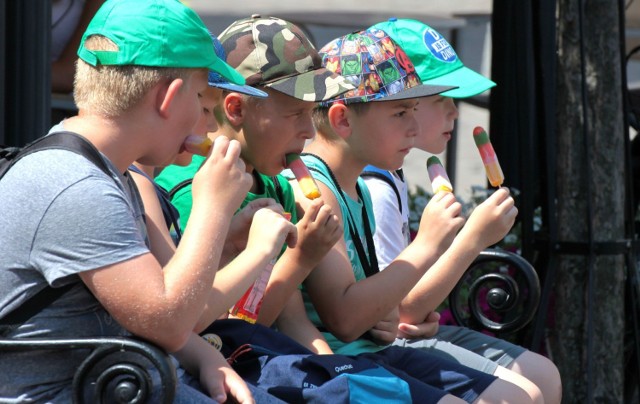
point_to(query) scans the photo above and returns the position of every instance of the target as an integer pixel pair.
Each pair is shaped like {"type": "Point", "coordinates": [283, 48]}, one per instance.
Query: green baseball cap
{"type": "Point", "coordinates": [275, 53]}
{"type": "Point", "coordinates": [155, 33]}
{"type": "Point", "coordinates": [434, 58]}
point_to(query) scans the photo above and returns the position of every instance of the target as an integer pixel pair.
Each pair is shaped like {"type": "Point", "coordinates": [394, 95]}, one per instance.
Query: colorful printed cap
{"type": "Point", "coordinates": [153, 33]}
{"type": "Point", "coordinates": [216, 80]}
{"type": "Point", "coordinates": [274, 53]}
{"type": "Point", "coordinates": [435, 60]}
{"type": "Point", "coordinates": [377, 65]}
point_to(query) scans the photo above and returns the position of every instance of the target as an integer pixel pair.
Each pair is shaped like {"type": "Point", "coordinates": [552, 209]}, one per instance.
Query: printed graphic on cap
{"type": "Point", "coordinates": [372, 62]}
{"type": "Point", "coordinates": [439, 46]}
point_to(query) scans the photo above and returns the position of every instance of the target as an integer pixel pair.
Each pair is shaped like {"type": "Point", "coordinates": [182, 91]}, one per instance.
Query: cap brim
{"type": "Point", "coordinates": [248, 90]}
{"type": "Point", "coordinates": [226, 71]}
{"type": "Point", "coordinates": [315, 85]}
{"type": "Point", "coordinates": [423, 90]}
{"type": "Point", "coordinates": [469, 83]}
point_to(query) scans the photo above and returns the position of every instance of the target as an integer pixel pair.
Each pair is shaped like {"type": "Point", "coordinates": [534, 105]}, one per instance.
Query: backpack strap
{"type": "Point", "coordinates": [169, 212]}
{"type": "Point", "coordinates": [60, 140]}
{"type": "Point", "coordinates": [384, 175]}
{"type": "Point", "coordinates": [173, 191]}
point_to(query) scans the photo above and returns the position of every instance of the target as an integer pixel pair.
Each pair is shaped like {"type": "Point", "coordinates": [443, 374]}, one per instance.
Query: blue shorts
{"type": "Point", "coordinates": [448, 376]}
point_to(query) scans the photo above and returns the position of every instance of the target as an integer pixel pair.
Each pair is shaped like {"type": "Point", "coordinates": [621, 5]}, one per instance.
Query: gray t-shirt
{"type": "Point", "coordinates": [60, 215]}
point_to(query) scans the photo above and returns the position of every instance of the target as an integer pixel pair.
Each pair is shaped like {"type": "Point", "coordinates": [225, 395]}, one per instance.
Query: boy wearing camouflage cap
{"type": "Point", "coordinates": [142, 64]}
{"type": "Point", "coordinates": [275, 56]}
{"type": "Point", "coordinates": [346, 297]}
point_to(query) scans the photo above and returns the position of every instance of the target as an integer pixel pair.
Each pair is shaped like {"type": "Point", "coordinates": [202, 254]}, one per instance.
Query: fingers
{"type": "Point", "coordinates": [292, 236]}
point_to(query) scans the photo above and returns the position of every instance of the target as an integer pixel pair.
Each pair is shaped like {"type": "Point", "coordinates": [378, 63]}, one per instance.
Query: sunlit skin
{"type": "Point", "coordinates": [390, 126]}
{"type": "Point", "coordinates": [436, 117]}
{"type": "Point", "coordinates": [272, 128]}
{"type": "Point", "coordinates": [184, 109]}
{"type": "Point", "coordinates": [209, 98]}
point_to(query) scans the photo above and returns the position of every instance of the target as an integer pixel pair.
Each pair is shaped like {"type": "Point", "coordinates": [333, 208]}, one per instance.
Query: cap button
{"type": "Point", "coordinates": [255, 16]}
{"type": "Point", "coordinates": [393, 19]}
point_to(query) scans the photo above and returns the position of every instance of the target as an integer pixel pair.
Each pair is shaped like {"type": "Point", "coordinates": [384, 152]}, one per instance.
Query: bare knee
{"type": "Point", "coordinates": [501, 391]}
{"type": "Point", "coordinates": [527, 385]}
{"type": "Point", "coordinates": [542, 372]}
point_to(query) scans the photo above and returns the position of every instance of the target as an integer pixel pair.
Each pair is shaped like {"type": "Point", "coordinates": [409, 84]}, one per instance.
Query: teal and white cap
{"type": "Point", "coordinates": [435, 60]}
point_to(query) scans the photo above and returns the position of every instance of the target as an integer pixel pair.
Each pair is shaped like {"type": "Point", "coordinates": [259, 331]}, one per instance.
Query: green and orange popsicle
{"type": "Point", "coordinates": [488, 155]}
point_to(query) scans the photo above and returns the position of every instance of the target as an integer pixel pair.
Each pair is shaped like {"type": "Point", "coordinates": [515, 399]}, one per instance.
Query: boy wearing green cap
{"type": "Point", "coordinates": [437, 63]}
{"type": "Point", "coordinates": [346, 297]}
{"type": "Point", "coordinates": [65, 221]}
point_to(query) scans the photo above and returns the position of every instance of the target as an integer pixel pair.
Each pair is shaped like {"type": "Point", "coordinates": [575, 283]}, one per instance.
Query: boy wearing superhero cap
{"type": "Point", "coordinates": [347, 298]}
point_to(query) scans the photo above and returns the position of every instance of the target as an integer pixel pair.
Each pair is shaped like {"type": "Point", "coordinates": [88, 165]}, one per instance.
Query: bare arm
{"type": "Point", "coordinates": [267, 234]}
{"type": "Point", "coordinates": [205, 362]}
{"type": "Point", "coordinates": [160, 241]}
{"type": "Point", "coordinates": [318, 231]}
{"type": "Point", "coordinates": [162, 304]}
{"type": "Point", "coordinates": [487, 225]}
{"type": "Point", "coordinates": [294, 322]}
{"type": "Point", "coordinates": [332, 285]}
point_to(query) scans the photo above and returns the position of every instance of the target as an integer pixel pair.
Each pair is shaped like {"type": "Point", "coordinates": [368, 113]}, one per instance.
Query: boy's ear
{"type": "Point", "coordinates": [166, 95]}
{"type": "Point", "coordinates": [233, 106]}
{"type": "Point", "coordinates": [338, 116]}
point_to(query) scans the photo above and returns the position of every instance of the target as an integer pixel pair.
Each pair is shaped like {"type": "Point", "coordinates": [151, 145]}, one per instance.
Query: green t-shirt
{"type": "Point", "coordinates": [176, 180]}
{"type": "Point", "coordinates": [351, 212]}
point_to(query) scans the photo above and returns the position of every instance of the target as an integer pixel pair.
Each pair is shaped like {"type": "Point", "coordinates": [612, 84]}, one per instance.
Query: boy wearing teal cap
{"type": "Point", "coordinates": [437, 63]}
{"type": "Point", "coordinates": [347, 298]}
{"type": "Point", "coordinates": [142, 64]}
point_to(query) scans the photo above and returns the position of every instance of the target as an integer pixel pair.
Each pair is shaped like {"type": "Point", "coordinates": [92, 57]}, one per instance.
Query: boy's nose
{"type": "Point", "coordinates": [453, 108]}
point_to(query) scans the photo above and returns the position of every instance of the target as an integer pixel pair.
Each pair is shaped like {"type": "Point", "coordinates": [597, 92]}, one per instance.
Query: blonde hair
{"type": "Point", "coordinates": [111, 90]}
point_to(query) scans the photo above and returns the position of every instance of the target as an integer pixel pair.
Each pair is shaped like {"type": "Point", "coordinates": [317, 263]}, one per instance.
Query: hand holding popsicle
{"type": "Point", "coordinates": [488, 155]}
{"type": "Point", "coordinates": [306, 182]}
{"type": "Point", "coordinates": [438, 176]}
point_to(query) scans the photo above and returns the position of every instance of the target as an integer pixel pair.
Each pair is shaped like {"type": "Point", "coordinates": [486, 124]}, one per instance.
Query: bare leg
{"type": "Point", "coordinates": [527, 385]}
{"type": "Point", "coordinates": [501, 391]}
{"type": "Point", "coordinates": [449, 399]}
{"type": "Point", "coordinates": [542, 372]}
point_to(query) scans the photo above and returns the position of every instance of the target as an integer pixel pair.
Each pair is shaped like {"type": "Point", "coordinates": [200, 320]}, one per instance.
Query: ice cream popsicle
{"type": "Point", "coordinates": [198, 144]}
{"type": "Point", "coordinates": [307, 184]}
{"type": "Point", "coordinates": [438, 176]}
{"type": "Point", "coordinates": [488, 155]}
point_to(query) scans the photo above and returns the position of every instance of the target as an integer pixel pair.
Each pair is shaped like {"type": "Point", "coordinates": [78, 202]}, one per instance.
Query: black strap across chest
{"type": "Point", "coordinates": [369, 262]}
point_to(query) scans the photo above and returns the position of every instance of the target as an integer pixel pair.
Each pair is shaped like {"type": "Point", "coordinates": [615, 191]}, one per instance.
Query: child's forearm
{"type": "Point", "coordinates": [289, 272]}
{"type": "Point", "coordinates": [230, 284]}
{"type": "Point", "coordinates": [436, 284]}
{"type": "Point", "coordinates": [294, 323]}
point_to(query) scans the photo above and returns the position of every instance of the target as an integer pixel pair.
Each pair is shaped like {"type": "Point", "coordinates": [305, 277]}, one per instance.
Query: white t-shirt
{"type": "Point", "coordinates": [390, 238]}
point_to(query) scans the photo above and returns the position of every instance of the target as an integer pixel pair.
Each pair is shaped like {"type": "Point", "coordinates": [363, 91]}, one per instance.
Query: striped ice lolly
{"type": "Point", "coordinates": [488, 155]}
{"type": "Point", "coordinates": [438, 176]}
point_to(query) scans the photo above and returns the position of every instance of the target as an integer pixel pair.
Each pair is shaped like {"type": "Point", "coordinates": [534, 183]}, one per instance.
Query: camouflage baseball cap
{"type": "Point", "coordinates": [274, 53]}
{"type": "Point", "coordinates": [377, 65]}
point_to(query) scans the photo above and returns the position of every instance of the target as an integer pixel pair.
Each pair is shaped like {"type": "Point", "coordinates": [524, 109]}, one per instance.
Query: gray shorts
{"type": "Point", "coordinates": [467, 347]}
